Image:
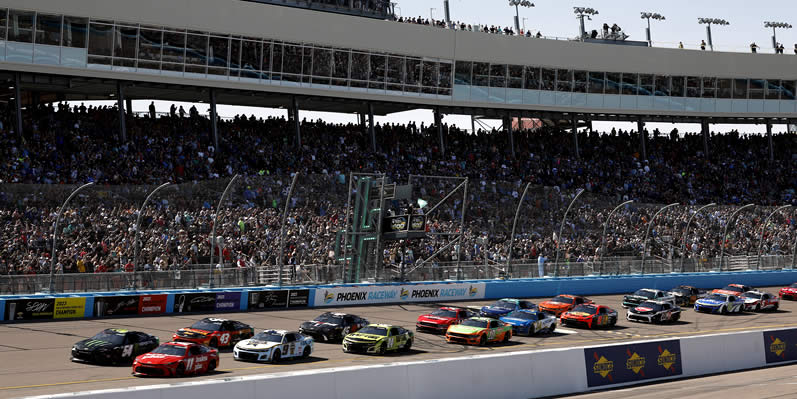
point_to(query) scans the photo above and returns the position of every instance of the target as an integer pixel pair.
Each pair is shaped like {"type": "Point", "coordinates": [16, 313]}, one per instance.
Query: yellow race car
{"type": "Point", "coordinates": [378, 339]}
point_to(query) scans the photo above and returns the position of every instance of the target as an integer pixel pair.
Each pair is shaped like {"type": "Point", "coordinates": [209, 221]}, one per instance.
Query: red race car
{"type": "Point", "coordinates": [789, 292]}
{"type": "Point", "coordinates": [733, 289]}
{"type": "Point", "coordinates": [563, 303]}
{"type": "Point", "coordinates": [176, 359]}
{"type": "Point", "coordinates": [439, 320]}
{"type": "Point", "coordinates": [758, 300]}
{"type": "Point", "coordinates": [590, 316]}
{"type": "Point", "coordinates": [214, 332]}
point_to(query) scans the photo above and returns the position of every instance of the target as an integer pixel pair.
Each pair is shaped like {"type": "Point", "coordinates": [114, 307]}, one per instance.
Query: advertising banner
{"type": "Point", "coordinates": [367, 295]}
{"type": "Point", "coordinates": [123, 305]}
{"type": "Point", "coordinates": [780, 346]}
{"type": "Point", "coordinates": [268, 299]}
{"type": "Point", "coordinates": [228, 301]}
{"type": "Point", "coordinates": [152, 304]}
{"type": "Point", "coordinates": [30, 309]}
{"type": "Point", "coordinates": [200, 302]}
{"type": "Point", "coordinates": [69, 308]}
{"type": "Point", "coordinates": [298, 298]}
{"type": "Point", "coordinates": [620, 364]}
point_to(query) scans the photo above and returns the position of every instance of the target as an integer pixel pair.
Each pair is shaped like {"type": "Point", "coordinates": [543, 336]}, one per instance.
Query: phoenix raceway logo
{"type": "Point", "coordinates": [777, 347]}
{"type": "Point", "coordinates": [635, 363]}
{"type": "Point", "coordinates": [603, 366]}
{"type": "Point", "coordinates": [404, 294]}
{"type": "Point", "coordinates": [328, 297]}
{"type": "Point", "coordinates": [472, 291]}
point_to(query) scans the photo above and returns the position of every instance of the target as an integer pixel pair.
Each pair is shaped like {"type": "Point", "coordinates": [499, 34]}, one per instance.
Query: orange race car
{"type": "Point", "coordinates": [733, 289]}
{"type": "Point", "coordinates": [216, 333]}
{"type": "Point", "coordinates": [563, 303]}
{"type": "Point", "coordinates": [590, 316]}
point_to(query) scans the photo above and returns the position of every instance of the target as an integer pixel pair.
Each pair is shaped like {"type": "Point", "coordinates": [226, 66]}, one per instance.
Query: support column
{"type": "Point", "coordinates": [704, 127]}
{"type": "Point", "coordinates": [34, 100]}
{"type": "Point", "coordinates": [120, 103]}
{"type": "Point", "coordinates": [508, 127]}
{"type": "Point", "coordinates": [371, 130]}
{"type": "Point", "coordinates": [575, 137]}
{"type": "Point", "coordinates": [769, 139]}
{"type": "Point", "coordinates": [214, 123]}
{"type": "Point", "coordinates": [18, 102]}
{"type": "Point", "coordinates": [296, 124]}
{"type": "Point", "coordinates": [589, 124]}
{"type": "Point", "coordinates": [472, 124]}
{"type": "Point", "coordinates": [129, 106]}
{"type": "Point", "coordinates": [642, 138]}
{"type": "Point", "coordinates": [438, 120]}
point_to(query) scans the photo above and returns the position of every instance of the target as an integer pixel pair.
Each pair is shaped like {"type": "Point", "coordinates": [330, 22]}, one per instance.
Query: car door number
{"type": "Point", "coordinates": [390, 342]}
{"type": "Point", "coordinates": [127, 351]}
{"type": "Point", "coordinates": [491, 334]}
{"type": "Point", "coordinates": [603, 319]}
{"type": "Point", "coordinates": [225, 339]}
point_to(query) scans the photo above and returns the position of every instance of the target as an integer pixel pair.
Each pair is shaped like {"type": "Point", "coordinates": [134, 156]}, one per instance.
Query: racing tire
{"type": "Point", "coordinates": [276, 357]}
{"type": "Point", "coordinates": [774, 308]}
{"type": "Point", "coordinates": [552, 328]}
{"type": "Point", "coordinates": [676, 318]}
{"type": "Point", "coordinates": [407, 346]}
{"type": "Point", "coordinates": [214, 343]}
{"type": "Point", "coordinates": [180, 371]}
{"type": "Point", "coordinates": [723, 309]}
{"type": "Point", "coordinates": [483, 340]}
{"type": "Point", "coordinates": [382, 349]}
{"type": "Point", "coordinates": [507, 337]}
{"type": "Point", "coordinates": [758, 308]}
{"type": "Point", "coordinates": [211, 366]}
{"type": "Point", "coordinates": [306, 352]}
{"type": "Point", "coordinates": [346, 331]}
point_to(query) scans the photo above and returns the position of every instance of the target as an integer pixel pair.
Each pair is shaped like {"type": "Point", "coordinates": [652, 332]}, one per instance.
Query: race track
{"type": "Point", "coordinates": [35, 356]}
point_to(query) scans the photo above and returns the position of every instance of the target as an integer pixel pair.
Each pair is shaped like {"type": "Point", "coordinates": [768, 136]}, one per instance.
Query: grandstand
{"type": "Point", "coordinates": [261, 54]}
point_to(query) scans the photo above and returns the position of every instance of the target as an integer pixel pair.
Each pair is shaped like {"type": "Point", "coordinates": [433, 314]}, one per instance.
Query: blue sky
{"type": "Point", "coordinates": [556, 18]}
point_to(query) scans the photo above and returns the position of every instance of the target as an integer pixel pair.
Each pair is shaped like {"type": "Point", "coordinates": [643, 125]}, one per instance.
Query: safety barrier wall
{"type": "Point", "coordinates": [146, 303]}
{"type": "Point", "coordinates": [526, 374]}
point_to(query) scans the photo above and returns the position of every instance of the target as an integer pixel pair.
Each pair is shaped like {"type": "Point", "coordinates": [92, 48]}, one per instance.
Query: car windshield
{"type": "Point", "coordinates": [174, 350]}
{"type": "Point", "coordinates": [268, 336]}
{"type": "Point", "coordinates": [444, 313]}
{"type": "Point", "coordinates": [751, 295]}
{"type": "Point", "coordinates": [522, 315]}
{"type": "Point", "coordinates": [115, 338]}
{"type": "Point", "coordinates": [475, 323]}
{"type": "Point", "coordinates": [563, 299]}
{"type": "Point", "coordinates": [732, 288]}
{"type": "Point", "coordinates": [793, 285]}
{"type": "Point", "coordinates": [207, 325]}
{"type": "Point", "coordinates": [645, 293]}
{"type": "Point", "coordinates": [651, 305]}
{"type": "Point", "coordinates": [684, 291]}
{"type": "Point", "coordinates": [717, 297]}
{"type": "Point", "coordinates": [586, 309]}
{"type": "Point", "coordinates": [374, 331]}
{"type": "Point", "coordinates": [504, 304]}
{"type": "Point", "coordinates": [329, 318]}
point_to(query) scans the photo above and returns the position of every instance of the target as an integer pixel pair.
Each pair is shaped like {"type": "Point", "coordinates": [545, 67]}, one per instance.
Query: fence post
{"type": "Point", "coordinates": [213, 232]}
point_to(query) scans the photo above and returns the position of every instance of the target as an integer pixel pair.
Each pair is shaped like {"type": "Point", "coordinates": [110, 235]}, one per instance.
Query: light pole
{"type": "Point", "coordinates": [431, 15]}
{"type": "Point", "coordinates": [686, 231]}
{"type": "Point", "coordinates": [647, 232]}
{"type": "Point", "coordinates": [708, 22]}
{"type": "Point", "coordinates": [55, 234]}
{"type": "Point", "coordinates": [213, 232]}
{"type": "Point", "coordinates": [524, 24]}
{"type": "Point", "coordinates": [137, 247]}
{"type": "Point", "coordinates": [514, 225]}
{"type": "Point", "coordinates": [649, 16]}
{"type": "Point", "coordinates": [562, 229]}
{"type": "Point", "coordinates": [282, 229]}
{"type": "Point", "coordinates": [605, 226]}
{"type": "Point", "coordinates": [581, 13]}
{"type": "Point", "coordinates": [725, 232]}
{"type": "Point", "coordinates": [517, 4]}
{"type": "Point", "coordinates": [775, 25]}
{"type": "Point", "coordinates": [764, 227]}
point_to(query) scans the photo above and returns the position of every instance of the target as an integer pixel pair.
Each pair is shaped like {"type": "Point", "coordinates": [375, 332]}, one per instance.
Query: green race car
{"type": "Point", "coordinates": [378, 339]}
{"type": "Point", "coordinates": [479, 331]}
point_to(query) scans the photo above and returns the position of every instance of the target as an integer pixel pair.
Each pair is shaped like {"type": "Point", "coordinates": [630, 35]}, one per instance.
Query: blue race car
{"type": "Point", "coordinates": [530, 322]}
{"type": "Point", "coordinates": [720, 303]}
{"type": "Point", "coordinates": [502, 307]}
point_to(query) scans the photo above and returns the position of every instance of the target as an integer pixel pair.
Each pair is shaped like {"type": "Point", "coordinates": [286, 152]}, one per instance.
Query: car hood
{"type": "Point", "coordinates": [727, 292]}
{"type": "Point", "coordinates": [256, 344]}
{"type": "Point", "coordinates": [636, 297]}
{"type": "Point", "coordinates": [318, 326]}
{"type": "Point", "coordinates": [158, 358]}
{"type": "Point", "coordinates": [495, 309]}
{"type": "Point", "coordinates": [436, 319]}
{"type": "Point", "coordinates": [642, 310]}
{"type": "Point", "coordinates": [788, 289]}
{"type": "Point", "coordinates": [554, 305]}
{"type": "Point", "coordinates": [516, 322]}
{"type": "Point", "coordinates": [193, 333]}
{"type": "Point", "coordinates": [751, 300]}
{"type": "Point", "coordinates": [578, 314]}
{"type": "Point", "coordinates": [712, 302]}
{"type": "Point", "coordinates": [460, 329]}
{"type": "Point", "coordinates": [364, 337]}
{"type": "Point", "coordinates": [93, 344]}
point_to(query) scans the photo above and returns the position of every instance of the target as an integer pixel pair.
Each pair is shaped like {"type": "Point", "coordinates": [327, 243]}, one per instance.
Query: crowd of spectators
{"type": "Point", "coordinates": [65, 145]}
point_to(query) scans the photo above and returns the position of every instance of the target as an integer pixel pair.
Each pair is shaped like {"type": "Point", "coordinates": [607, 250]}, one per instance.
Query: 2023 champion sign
{"type": "Point", "coordinates": [336, 296]}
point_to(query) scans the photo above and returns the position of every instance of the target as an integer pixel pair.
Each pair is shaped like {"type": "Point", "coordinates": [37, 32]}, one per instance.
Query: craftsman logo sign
{"type": "Point", "coordinates": [780, 345]}
{"type": "Point", "coordinates": [620, 364]}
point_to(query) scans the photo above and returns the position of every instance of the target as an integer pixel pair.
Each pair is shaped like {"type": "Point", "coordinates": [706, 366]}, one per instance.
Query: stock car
{"type": "Point", "coordinates": [757, 301]}
{"type": "Point", "coordinates": [590, 316]}
{"type": "Point", "coordinates": [479, 331]}
{"type": "Point", "coordinates": [273, 346]}
{"type": "Point", "coordinates": [113, 346]}
{"type": "Point", "coordinates": [439, 320]}
{"type": "Point", "coordinates": [562, 303]}
{"type": "Point", "coordinates": [733, 289]}
{"type": "Point", "coordinates": [502, 307]}
{"type": "Point", "coordinates": [654, 312]}
{"type": "Point", "coordinates": [646, 294]}
{"type": "Point", "coordinates": [176, 359]}
{"type": "Point", "coordinates": [720, 303]}
{"type": "Point", "coordinates": [789, 292]}
{"type": "Point", "coordinates": [331, 326]}
{"type": "Point", "coordinates": [378, 339]}
{"type": "Point", "coordinates": [530, 322]}
{"type": "Point", "coordinates": [213, 332]}
{"type": "Point", "coordinates": [686, 295]}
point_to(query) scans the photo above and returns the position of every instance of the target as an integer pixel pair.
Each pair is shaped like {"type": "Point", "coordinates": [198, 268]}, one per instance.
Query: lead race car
{"type": "Point", "coordinates": [113, 346]}
{"type": "Point", "coordinates": [273, 346]}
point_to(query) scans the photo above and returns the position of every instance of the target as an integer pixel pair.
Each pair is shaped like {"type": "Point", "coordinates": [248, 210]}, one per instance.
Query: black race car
{"type": "Point", "coordinates": [331, 326]}
{"type": "Point", "coordinates": [114, 346]}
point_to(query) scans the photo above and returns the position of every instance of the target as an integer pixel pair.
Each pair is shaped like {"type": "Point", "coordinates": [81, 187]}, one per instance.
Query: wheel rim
{"type": "Point", "coordinates": [276, 357]}
{"type": "Point", "coordinates": [306, 352]}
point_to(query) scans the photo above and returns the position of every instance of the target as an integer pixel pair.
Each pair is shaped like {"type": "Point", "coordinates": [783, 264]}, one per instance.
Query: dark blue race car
{"type": "Point", "coordinates": [530, 322]}
{"type": "Point", "coordinates": [502, 307]}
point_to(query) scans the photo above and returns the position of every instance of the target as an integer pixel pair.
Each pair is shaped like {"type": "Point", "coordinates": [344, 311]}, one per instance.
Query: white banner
{"type": "Point", "coordinates": [369, 294]}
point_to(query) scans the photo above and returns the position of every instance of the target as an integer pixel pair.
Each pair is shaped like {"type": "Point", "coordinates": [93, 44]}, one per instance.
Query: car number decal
{"type": "Point", "coordinates": [127, 351]}
{"type": "Point", "coordinates": [491, 334]}
{"type": "Point", "coordinates": [225, 339]}
{"type": "Point", "coordinates": [390, 342]}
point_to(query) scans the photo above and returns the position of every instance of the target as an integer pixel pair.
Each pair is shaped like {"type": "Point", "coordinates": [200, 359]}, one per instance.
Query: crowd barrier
{"type": "Point", "coordinates": [507, 375]}
{"type": "Point", "coordinates": [147, 303]}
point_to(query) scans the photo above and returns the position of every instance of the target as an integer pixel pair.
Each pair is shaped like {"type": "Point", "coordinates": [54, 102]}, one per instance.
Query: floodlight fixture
{"type": "Point", "coordinates": [776, 25]}
{"type": "Point", "coordinates": [517, 4]}
{"type": "Point", "coordinates": [648, 16]}
{"type": "Point", "coordinates": [708, 22]}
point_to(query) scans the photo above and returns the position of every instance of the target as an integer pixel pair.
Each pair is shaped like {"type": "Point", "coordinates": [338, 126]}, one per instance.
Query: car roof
{"type": "Point", "coordinates": [450, 308]}
{"type": "Point", "coordinates": [736, 285]}
{"type": "Point", "coordinates": [568, 296]}
{"type": "Point", "coordinates": [658, 302]}
{"type": "Point", "coordinates": [509, 300]}
{"type": "Point", "coordinates": [214, 319]}
{"type": "Point", "coordinates": [381, 325]}
{"type": "Point", "coordinates": [755, 292]}
{"type": "Point", "coordinates": [178, 343]}
{"type": "Point", "coordinates": [116, 331]}
{"type": "Point", "coordinates": [649, 289]}
{"type": "Point", "coordinates": [531, 311]}
{"type": "Point", "coordinates": [281, 332]}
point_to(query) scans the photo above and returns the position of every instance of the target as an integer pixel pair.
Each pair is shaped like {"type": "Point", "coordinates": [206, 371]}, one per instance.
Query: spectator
{"type": "Point", "coordinates": [703, 45]}
{"type": "Point", "coordinates": [753, 47]}
{"type": "Point", "coordinates": [681, 45]}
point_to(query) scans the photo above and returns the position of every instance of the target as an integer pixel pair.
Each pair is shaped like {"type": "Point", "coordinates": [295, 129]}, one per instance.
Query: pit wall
{"type": "Point", "coordinates": [152, 303]}
{"type": "Point", "coordinates": [508, 375]}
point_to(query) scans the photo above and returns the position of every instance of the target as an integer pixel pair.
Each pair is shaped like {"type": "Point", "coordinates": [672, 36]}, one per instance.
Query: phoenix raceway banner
{"type": "Point", "coordinates": [780, 346]}
{"type": "Point", "coordinates": [366, 295]}
{"type": "Point", "coordinates": [620, 364]}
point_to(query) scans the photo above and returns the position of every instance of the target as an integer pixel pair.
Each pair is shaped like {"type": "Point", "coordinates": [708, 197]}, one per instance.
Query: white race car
{"type": "Point", "coordinates": [273, 346]}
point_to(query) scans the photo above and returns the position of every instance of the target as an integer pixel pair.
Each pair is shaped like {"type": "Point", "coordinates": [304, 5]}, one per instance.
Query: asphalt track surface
{"type": "Point", "coordinates": [34, 357]}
